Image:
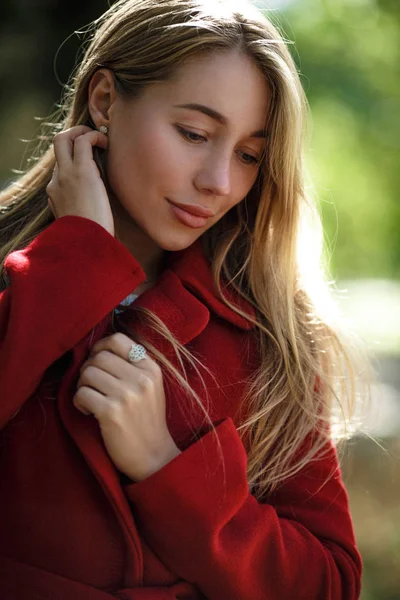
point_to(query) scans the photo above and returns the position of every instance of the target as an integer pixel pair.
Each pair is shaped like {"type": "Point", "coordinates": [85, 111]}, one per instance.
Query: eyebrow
{"type": "Point", "coordinates": [210, 112]}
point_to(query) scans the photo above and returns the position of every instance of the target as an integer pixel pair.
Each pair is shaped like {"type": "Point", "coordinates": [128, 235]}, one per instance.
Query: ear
{"type": "Point", "coordinates": [101, 96]}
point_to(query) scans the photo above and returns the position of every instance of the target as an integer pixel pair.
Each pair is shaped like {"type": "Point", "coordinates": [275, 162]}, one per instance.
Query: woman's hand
{"type": "Point", "coordinates": [76, 187]}
{"type": "Point", "coordinates": [128, 401]}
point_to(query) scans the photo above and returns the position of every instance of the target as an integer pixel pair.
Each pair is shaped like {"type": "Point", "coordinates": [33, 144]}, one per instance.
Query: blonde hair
{"type": "Point", "coordinates": [307, 370]}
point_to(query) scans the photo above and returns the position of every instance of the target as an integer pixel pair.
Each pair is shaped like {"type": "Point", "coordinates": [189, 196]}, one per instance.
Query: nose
{"type": "Point", "coordinates": [215, 177]}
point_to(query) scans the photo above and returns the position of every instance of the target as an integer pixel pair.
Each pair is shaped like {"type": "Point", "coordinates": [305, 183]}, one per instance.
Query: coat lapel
{"type": "Point", "coordinates": [86, 434]}
{"type": "Point", "coordinates": [184, 314]}
{"type": "Point", "coordinates": [183, 299]}
{"type": "Point", "coordinates": [195, 273]}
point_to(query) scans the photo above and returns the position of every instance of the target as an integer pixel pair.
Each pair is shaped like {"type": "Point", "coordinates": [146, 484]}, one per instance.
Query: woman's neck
{"type": "Point", "coordinates": [150, 256]}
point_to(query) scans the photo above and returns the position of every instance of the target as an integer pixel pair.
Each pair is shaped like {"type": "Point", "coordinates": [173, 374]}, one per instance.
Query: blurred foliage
{"type": "Point", "coordinates": [348, 52]}
{"type": "Point", "coordinates": [372, 478]}
{"type": "Point", "coordinates": [38, 50]}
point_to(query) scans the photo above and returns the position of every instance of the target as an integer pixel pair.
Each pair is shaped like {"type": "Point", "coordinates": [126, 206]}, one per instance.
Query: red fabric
{"type": "Point", "coordinates": [73, 528]}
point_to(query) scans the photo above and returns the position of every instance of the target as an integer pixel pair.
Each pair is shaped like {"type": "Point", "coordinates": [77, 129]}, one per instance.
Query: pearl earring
{"type": "Point", "coordinates": [103, 129]}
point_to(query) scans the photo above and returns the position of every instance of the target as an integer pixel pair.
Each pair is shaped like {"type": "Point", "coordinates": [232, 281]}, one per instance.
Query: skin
{"type": "Point", "coordinates": [149, 160]}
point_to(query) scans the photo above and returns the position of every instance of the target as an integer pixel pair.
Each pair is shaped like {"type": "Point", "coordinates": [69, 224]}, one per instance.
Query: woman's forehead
{"type": "Point", "coordinates": [229, 89]}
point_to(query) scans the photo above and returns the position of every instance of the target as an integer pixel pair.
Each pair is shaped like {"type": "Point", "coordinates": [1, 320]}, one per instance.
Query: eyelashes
{"type": "Point", "coordinates": [186, 133]}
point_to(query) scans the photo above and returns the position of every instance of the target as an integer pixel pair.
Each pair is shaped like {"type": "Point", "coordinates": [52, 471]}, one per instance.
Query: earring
{"type": "Point", "coordinates": [103, 129]}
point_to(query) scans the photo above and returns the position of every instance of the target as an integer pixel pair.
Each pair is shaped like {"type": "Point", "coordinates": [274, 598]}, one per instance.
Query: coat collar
{"type": "Point", "coordinates": [183, 299]}
{"type": "Point", "coordinates": [195, 273]}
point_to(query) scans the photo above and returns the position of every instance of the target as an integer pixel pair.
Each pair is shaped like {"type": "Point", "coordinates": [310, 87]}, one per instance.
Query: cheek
{"type": "Point", "coordinates": [150, 156]}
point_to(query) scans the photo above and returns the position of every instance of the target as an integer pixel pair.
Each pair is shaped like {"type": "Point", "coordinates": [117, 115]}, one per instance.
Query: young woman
{"type": "Point", "coordinates": [167, 377]}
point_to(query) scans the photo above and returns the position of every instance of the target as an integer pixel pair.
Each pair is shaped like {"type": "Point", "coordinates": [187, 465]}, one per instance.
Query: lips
{"type": "Point", "coordinates": [195, 209]}
{"type": "Point", "coordinates": [187, 218]}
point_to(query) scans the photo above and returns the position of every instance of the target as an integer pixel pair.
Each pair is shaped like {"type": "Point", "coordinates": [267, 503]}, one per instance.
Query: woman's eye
{"type": "Point", "coordinates": [187, 133]}
{"type": "Point", "coordinates": [249, 160]}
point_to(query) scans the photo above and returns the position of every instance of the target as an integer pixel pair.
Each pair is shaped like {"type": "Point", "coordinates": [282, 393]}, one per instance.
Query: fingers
{"type": "Point", "coordinates": [63, 143]}
{"type": "Point", "coordinates": [120, 344]}
{"type": "Point", "coordinates": [67, 150]}
{"type": "Point", "coordinates": [83, 146]}
{"type": "Point", "coordinates": [77, 187]}
{"type": "Point", "coordinates": [89, 401]}
{"type": "Point", "coordinates": [104, 383]}
{"type": "Point", "coordinates": [109, 363]}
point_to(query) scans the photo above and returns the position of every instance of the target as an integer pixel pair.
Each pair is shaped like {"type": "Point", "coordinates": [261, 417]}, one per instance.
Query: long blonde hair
{"type": "Point", "coordinates": [307, 371]}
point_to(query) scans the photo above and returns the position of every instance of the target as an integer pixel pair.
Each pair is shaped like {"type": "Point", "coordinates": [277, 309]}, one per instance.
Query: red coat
{"type": "Point", "coordinates": [71, 526]}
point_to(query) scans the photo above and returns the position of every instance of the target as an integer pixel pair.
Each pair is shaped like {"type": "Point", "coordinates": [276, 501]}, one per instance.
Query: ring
{"type": "Point", "coordinates": [136, 353]}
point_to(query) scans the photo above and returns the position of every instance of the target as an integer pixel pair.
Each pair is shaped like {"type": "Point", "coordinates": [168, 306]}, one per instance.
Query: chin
{"type": "Point", "coordinates": [175, 242]}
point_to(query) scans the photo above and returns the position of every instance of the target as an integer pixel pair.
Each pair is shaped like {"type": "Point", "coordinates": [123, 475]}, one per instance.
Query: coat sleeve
{"type": "Point", "coordinates": [60, 286]}
{"type": "Point", "coordinates": [202, 521]}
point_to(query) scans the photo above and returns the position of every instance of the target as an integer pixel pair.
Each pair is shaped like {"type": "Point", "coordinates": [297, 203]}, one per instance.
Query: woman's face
{"type": "Point", "coordinates": [162, 153]}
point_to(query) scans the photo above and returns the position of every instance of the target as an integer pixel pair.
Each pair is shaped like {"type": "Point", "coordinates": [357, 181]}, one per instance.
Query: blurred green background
{"type": "Point", "coordinates": [348, 52]}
